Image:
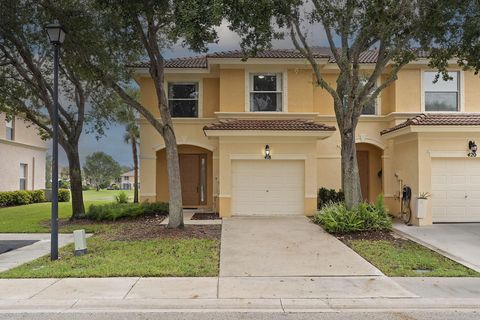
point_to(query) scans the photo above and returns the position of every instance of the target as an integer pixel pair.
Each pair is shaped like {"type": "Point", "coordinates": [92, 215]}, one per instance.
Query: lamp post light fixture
{"type": "Point", "coordinates": [472, 146]}
{"type": "Point", "coordinates": [267, 152]}
{"type": "Point", "coordinates": [56, 35]}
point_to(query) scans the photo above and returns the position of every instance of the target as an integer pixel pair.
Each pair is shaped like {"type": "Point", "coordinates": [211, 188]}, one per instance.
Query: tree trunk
{"type": "Point", "coordinates": [175, 215]}
{"type": "Point", "coordinates": [78, 209]}
{"type": "Point", "coordinates": [133, 140]}
{"type": "Point", "coordinates": [350, 175]}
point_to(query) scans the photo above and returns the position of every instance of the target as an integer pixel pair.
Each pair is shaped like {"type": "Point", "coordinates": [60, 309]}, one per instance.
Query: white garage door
{"type": "Point", "coordinates": [456, 190]}
{"type": "Point", "coordinates": [267, 187]}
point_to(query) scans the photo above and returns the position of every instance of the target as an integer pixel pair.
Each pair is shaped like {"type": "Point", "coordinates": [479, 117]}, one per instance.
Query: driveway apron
{"type": "Point", "coordinates": [285, 247]}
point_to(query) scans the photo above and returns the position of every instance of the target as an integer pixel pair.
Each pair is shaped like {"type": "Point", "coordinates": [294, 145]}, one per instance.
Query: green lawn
{"type": "Point", "coordinates": [34, 217]}
{"type": "Point", "coordinates": [104, 195]}
{"type": "Point", "coordinates": [408, 259]}
{"type": "Point", "coordinates": [146, 258]}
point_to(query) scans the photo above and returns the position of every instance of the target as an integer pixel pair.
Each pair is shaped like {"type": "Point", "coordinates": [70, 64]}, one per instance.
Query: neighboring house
{"type": "Point", "coordinates": [22, 154]}
{"type": "Point", "coordinates": [127, 180]}
{"type": "Point", "coordinates": [229, 113]}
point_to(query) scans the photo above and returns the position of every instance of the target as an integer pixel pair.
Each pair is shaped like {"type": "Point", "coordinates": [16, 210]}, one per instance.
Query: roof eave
{"type": "Point", "coordinates": [429, 129]}
{"type": "Point", "coordinates": [320, 134]}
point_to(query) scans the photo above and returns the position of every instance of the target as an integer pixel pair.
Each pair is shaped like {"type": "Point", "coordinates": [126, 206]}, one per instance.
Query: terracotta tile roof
{"type": "Point", "coordinates": [188, 62]}
{"type": "Point", "coordinates": [439, 119]}
{"type": "Point", "coordinates": [369, 56]}
{"type": "Point", "coordinates": [319, 52]}
{"type": "Point", "coordinates": [276, 125]}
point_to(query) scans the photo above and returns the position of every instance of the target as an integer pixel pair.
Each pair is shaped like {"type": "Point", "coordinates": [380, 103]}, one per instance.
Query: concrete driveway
{"type": "Point", "coordinates": [285, 247]}
{"type": "Point", "coordinates": [459, 242]}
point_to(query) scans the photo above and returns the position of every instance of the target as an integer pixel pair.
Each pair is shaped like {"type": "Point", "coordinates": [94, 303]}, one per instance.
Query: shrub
{"type": "Point", "coordinates": [115, 211]}
{"type": "Point", "coordinates": [121, 197]}
{"type": "Point", "coordinates": [21, 197]}
{"type": "Point", "coordinates": [326, 196]}
{"type": "Point", "coordinates": [336, 218]}
{"type": "Point", "coordinates": [63, 195]}
{"type": "Point", "coordinates": [38, 196]}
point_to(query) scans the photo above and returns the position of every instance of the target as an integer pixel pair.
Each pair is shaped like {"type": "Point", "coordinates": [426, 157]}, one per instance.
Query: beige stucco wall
{"type": "Point", "coordinates": [282, 148]}
{"type": "Point", "coordinates": [188, 132]}
{"type": "Point", "coordinates": [224, 90]}
{"type": "Point", "coordinates": [232, 90]}
{"type": "Point", "coordinates": [26, 148]}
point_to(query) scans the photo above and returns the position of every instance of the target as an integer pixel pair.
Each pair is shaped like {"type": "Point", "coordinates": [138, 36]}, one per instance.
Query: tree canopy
{"type": "Point", "coordinates": [101, 169]}
{"type": "Point", "coordinates": [398, 31]}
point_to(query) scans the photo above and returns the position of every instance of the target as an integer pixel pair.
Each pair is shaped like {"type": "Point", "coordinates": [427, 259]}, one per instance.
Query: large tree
{"type": "Point", "coordinates": [111, 34]}
{"type": "Point", "coordinates": [101, 169]}
{"type": "Point", "coordinates": [26, 85]}
{"type": "Point", "coordinates": [396, 29]}
{"type": "Point", "coordinates": [461, 42]}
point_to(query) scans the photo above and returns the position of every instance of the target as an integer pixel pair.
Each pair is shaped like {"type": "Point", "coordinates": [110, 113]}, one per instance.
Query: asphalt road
{"type": "Point", "coordinates": [9, 245]}
{"type": "Point", "coordinates": [415, 315]}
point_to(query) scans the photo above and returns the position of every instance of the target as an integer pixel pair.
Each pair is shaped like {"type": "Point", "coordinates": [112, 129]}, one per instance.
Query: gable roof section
{"type": "Point", "coordinates": [438, 119]}
{"type": "Point", "coordinates": [271, 125]}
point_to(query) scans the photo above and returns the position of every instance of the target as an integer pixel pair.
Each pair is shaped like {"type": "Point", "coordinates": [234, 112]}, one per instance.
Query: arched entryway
{"type": "Point", "coordinates": [369, 159]}
{"type": "Point", "coordinates": [196, 174]}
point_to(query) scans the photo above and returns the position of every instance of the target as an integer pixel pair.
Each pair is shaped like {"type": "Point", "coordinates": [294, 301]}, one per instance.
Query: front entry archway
{"type": "Point", "coordinates": [369, 159]}
{"type": "Point", "coordinates": [196, 174]}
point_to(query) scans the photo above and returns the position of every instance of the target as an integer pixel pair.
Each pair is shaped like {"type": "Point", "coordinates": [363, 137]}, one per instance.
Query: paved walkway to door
{"type": "Point", "coordinates": [285, 247]}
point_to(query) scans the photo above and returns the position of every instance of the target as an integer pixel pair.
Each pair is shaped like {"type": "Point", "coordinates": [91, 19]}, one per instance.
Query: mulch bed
{"type": "Point", "coordinates": [389, 236]}
{"type": "Point", "coordinates": [205, 216]}
{"type": "Point", "coordinates": [142, 231]}
{"type": "Point", "coordinates": [149, 228]}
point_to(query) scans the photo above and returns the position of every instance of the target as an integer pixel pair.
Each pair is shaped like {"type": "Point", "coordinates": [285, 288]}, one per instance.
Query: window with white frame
{"type": "Point", "coordinates": [183, 99]}
{"type": "Point", "coordinates": [10, 129]}
{"type": "Point", "coordinates": [266, 92]}
{"type": "Point", "coordinates": [441, 95]}
{"type": "Point", "coordinates": [23, 176]}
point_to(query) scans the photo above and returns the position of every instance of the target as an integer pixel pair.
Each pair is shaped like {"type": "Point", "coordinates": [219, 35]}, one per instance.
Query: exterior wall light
{"type": "Point", "coordinates": [472, 146]}
{"type": "Point", "coordinates": [267, 152]}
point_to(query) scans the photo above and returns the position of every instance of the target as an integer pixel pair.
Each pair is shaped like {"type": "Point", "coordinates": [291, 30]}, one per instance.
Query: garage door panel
{"type": "Point", "coordinates": [456, 190]}
{"type": "Point", "coordinates": [267, 187]}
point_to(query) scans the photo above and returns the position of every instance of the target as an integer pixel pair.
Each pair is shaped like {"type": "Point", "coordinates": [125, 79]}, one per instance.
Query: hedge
{"type": "Point", "coordinates": [115, 211]}
{"type": "Point", "coordinates": [63, 195]}
{"type": "Point", "coordinates": [21, 197]}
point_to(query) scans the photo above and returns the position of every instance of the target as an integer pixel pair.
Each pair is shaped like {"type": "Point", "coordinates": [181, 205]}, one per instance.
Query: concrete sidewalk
{"type": "Point", "coordinates": [25, 254]}
{"type": "Point", "coordinates": [234, 294]}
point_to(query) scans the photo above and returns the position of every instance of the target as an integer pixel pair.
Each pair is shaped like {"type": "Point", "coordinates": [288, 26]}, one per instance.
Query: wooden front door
{"type": "Point", "coordinates": [193, 178]}
{"type": "Point", "coordinates": [363, 169]}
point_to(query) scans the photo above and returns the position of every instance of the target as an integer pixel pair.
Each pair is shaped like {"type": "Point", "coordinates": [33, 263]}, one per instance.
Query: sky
{"type": "Point", "coordinates": [112, 142]}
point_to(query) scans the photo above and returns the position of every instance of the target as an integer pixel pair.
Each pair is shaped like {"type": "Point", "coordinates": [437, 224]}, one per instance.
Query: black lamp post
{"type": "Point", "coordinates": [56, 35]}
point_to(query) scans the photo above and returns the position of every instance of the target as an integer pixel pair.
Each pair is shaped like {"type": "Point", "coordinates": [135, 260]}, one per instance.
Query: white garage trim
{"type": "Point", "coordinates": [265, 187]}
{"type": "Point", "coordinates": [455, 190]}
{"type": "Point", "coordinates": [448, 154]}
{"type": "Point", "coordinates": [262, 157]}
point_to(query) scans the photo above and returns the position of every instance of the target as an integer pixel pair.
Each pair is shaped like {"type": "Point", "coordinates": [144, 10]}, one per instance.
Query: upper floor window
{"type": "Point", "coordinates": [441, 95]}
{"type": "Point", "coordinates": [23, 176]}
{"type": "Point", "coordinates": [183, 99]}
{"type": "Point", "coordinates": [126, 178]}
{"type": "Point", "coordinates": [10, 129]}
{"type": "Point", "coordinates": [266, 92]}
